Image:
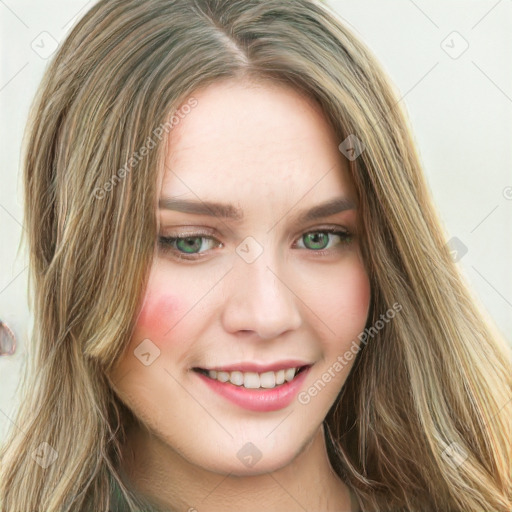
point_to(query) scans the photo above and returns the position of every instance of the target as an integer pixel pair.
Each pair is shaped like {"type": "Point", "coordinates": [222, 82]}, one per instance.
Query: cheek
{"type": "Point", "coordinates": [351, 296]}
{"type": "Point", "coordinates": [360, 294]}
{"type": "Point", "coordinates": [346, 306]}
{"type": "Point", "coordinates": [160, 312]}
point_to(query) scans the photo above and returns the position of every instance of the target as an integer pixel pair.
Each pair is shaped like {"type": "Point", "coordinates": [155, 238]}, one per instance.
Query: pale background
{"type": "Point", "coordinates": [460, 106]}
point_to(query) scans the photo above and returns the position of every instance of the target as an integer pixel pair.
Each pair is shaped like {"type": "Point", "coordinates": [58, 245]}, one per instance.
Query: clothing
{"type": "Point", "coordinates": [118, 502]}
{"type": "Point", "coordinates": [354, 504]}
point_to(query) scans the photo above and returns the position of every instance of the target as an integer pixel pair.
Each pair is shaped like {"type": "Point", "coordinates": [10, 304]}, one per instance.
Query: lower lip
{"type": "Point", "coordinates": [260, 400]}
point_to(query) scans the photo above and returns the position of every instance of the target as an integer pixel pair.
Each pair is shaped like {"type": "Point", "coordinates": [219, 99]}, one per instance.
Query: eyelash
{"type": "Point", "coordinates": [167, 243]}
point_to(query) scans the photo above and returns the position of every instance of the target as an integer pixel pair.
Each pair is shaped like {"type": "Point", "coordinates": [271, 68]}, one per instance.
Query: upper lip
{"type": "Point", "coordinates": [260, 368]}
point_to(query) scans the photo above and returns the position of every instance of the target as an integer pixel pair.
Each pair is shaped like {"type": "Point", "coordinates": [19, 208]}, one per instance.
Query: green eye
{"type": "Point", "coordinates": [189, 245]}
{"type": "Point", "coordinates": [186, 244]}
{"type": "Point", "coordinates": [193, 246]}
{"type": "Point", "coordinates": [318, 240]}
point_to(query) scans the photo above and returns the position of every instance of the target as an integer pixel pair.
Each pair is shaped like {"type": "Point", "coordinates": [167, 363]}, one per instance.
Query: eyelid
{"type": "Point", "coordinates": [330, 228]}
{"type": "Point", "coordinates": [202, 231]}
{"type": "Point", "coordinates": [208, 232]}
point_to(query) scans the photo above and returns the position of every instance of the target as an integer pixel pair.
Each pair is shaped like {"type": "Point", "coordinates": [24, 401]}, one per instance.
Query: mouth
{"type": "Point", "coordinates": [254, 380]}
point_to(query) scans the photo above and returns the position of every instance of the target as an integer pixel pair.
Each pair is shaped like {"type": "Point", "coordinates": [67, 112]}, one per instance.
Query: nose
{"type": "Point", "coordinates": [259, 299]}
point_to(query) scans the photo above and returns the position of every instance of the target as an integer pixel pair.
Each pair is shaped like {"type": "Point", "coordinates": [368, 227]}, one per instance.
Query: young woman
{"type": "Point", "coordinates": [243, 298]}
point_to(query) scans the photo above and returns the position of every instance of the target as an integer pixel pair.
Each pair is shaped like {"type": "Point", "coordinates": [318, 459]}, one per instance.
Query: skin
{"type": "Point", "coordinates": [268, 150]}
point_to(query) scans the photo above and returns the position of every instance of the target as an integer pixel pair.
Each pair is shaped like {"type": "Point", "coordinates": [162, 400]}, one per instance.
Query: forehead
{"type": "Point", "coordinates": [252, 134]}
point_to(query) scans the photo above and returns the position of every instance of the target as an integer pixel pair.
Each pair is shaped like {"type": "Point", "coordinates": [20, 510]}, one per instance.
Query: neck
{"type": "Point", "coordinates": [159, 473]}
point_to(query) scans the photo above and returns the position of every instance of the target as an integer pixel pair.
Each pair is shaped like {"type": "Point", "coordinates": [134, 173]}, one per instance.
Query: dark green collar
{"type": "Point", "coordinates": [118, 502]}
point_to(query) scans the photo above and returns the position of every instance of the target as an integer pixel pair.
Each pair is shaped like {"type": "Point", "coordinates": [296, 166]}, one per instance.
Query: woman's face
{"type": "Point", "coordinates": [258, 286]}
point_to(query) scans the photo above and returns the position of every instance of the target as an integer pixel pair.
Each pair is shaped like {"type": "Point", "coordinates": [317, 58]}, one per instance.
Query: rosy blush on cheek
{"type": "Point", "coordinates": [160, 313]}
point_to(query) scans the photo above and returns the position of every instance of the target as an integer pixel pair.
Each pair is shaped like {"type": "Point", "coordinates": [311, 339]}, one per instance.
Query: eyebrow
{"type": "Point", "coordinates": [228, 211]}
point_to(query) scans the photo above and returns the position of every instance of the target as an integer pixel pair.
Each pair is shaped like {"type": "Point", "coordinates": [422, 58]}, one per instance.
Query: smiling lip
{"type": "Point", "coordinates": [260, 400]}
{"type": "Point", "coordinates": [260, 368]}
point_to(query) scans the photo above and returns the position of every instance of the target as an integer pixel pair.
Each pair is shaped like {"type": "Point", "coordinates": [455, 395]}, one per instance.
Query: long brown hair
{"type": "Point", "coordinates": [435, 382]}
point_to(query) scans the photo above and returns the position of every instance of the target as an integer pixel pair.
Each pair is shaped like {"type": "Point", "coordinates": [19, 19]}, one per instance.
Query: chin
{"type": "Point", "coordinates": [246, 458]}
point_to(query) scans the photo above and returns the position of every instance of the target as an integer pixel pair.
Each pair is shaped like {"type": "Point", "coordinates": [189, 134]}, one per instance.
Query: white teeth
{"type": "Point", "coordinates": [289, 374]}
{"type": "Point", "coordinates": [253, 380]}
{"type": "Point", "coordinates": [237, 378]}
{"type": "Point", "coordinates": [223, 376]}
{"type": "Point", "coordinates": [268, 380]}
